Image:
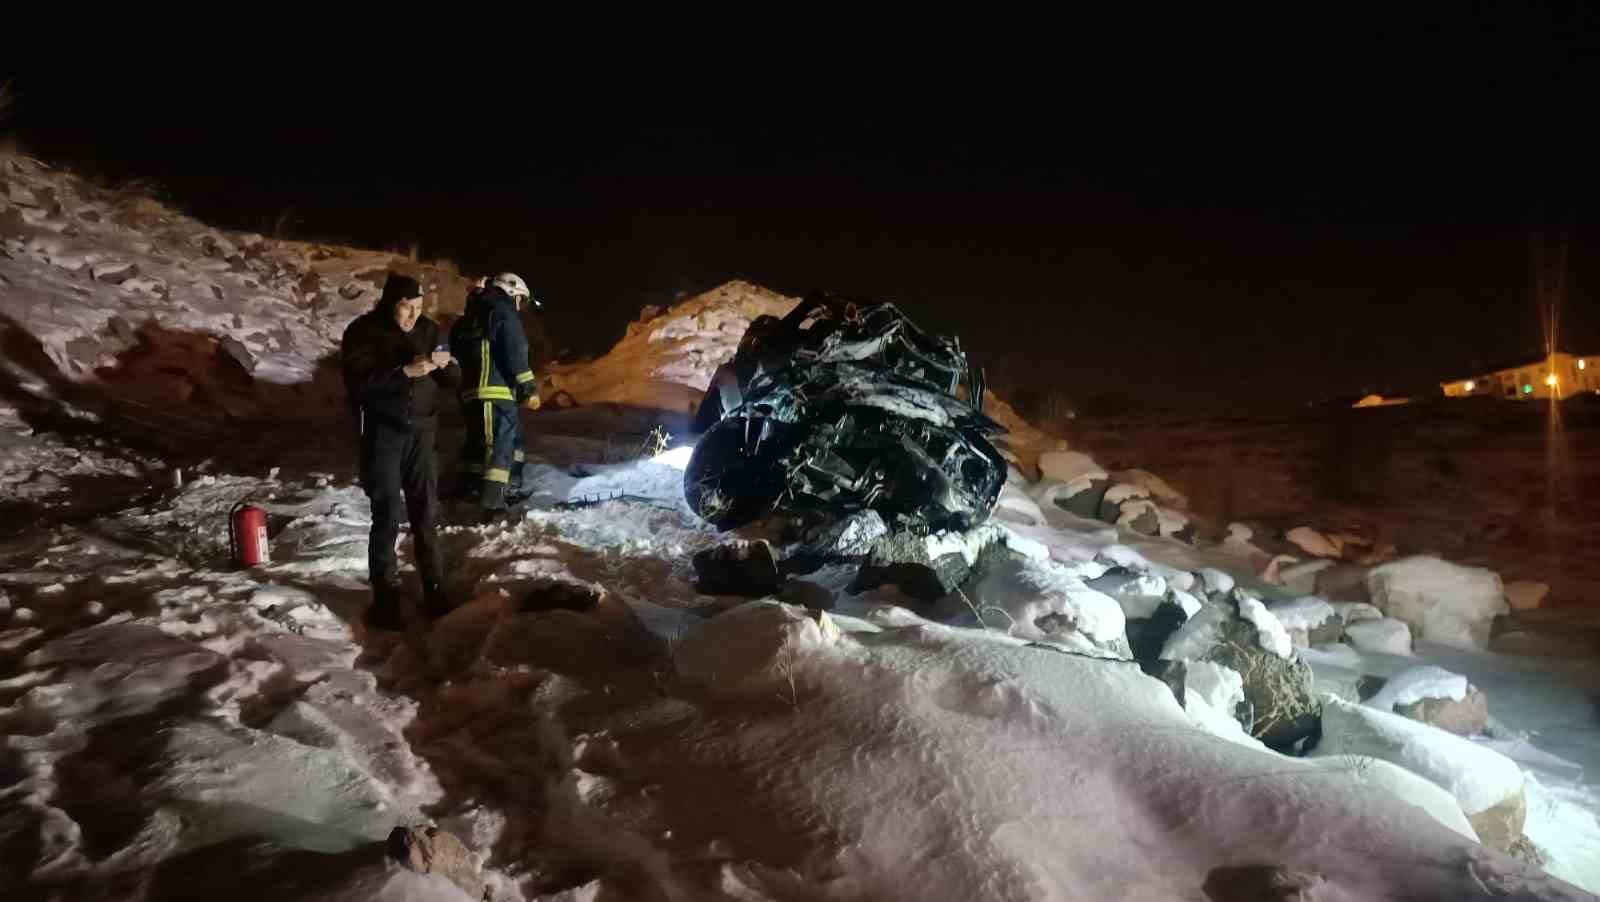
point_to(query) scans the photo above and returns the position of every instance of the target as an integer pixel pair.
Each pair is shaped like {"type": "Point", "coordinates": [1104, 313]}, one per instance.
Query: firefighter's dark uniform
{"type": "Point", "coordinates": [495, 380]}
{"type": "Point", "coordinates": [398, 419]}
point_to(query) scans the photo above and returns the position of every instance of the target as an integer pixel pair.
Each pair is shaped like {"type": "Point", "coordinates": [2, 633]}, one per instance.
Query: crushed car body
{"type": "Point", "coordinates": [841, 407]}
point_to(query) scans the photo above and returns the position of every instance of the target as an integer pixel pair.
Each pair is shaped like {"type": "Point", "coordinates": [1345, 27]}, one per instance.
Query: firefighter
{"type": "Point", "coordinates": [395, 369]}
{"type": "Point", "coordinates": [496, 379]}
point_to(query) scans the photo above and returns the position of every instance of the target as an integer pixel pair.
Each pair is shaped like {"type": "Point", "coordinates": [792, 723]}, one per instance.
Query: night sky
{"type": "Point", "coordinates": [1173, 241]}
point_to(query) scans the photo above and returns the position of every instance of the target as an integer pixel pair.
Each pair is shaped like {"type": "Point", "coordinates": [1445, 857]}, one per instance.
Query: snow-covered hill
{"type": "Point", "coordinates": [112, 284]}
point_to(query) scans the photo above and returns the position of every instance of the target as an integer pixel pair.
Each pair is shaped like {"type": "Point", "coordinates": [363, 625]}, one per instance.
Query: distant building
{"type": "Point", "coordinates": [1560, 375]}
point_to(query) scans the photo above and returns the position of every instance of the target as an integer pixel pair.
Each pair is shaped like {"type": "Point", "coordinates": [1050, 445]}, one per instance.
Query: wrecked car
{"type": "Point", "coordinates": [841, 407]}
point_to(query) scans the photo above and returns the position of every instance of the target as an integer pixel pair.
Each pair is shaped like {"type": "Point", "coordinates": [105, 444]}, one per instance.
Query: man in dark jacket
{"type": "Point", "coordinates": [394, 368]}
{"type": "Point", "coordinates": [495, 380]}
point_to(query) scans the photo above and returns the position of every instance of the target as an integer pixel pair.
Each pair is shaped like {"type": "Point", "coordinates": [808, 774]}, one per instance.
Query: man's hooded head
{"type": "Point", "coordinates": [402, 299]}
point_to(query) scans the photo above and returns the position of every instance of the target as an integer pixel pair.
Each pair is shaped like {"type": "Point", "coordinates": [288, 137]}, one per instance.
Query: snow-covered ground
{"type": "Point", "coordinates": [593, 727]}
{"type": "Point", "coordinates": [168, 719]}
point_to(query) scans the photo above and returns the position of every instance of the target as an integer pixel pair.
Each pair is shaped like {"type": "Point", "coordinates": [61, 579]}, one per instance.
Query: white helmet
{"type": "Point", "coordinates": [512, 284]}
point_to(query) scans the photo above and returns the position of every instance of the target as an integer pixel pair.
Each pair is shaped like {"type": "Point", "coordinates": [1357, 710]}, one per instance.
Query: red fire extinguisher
{"type": "Point", "coordinates": [247, 535]}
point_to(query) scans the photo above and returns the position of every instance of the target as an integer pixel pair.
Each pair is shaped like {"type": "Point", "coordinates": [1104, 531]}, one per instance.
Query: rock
{"type": "Point", "coordinates": [1356, 611]}
{"type": "Point", "coordinates": [1272, 573]}
{"type": "Point", "coordinates": [238, 353]}
{"type": "Point", "coordinates": [1117, 496]}
{"type": "Point", "coordinates": [1139, 594]}
{"type": "Point", "coordinates": [1301, 578]}
{"type": "Point", "coordinates": [851, 537]}
{"type": "Point", "coordinates": [1441, 601]}
{"type": "Point", "coordinates": [1309, 620]}
{"type": "Point", "coordinates": [1280, 689]}
{"type": "Point", "coordinates": [1082, 498]}
{"type": "Point", "coordinates": [1464, 717]}
{"type": "Point", "coordinates": [1066, 466]}
{"type": "Point", "coordinates": [1216, 581]}
{"type": "Point", "coordinates": [429, 850]}
{"type": "Point", "coordinates": [1147, 636]}
{"type": "Point", "coordinates": [1157, 487]}
{"type": "Point", "coordinates": [1387, 635]}
{"type": "Point", "coordinates": [753, 649]}
{"type": "Point", "coordinates": [1313, 543]}
{"type": "Point", "coordinates": [549, 594]}
{"type": "Point", "coordinates": [1043, 601]}
{"type": "Point", "coordinates": [1525, 596]}
{"type": "Point", "coordinates": [930, 567]}
{"type": "Point", "coordinates": [1140, 516]}
{"type": "Point", "coordinates": [1482, 780]}
{"type": "Point", "coordinates": [114, 273]}
{"type": "Point", "coordinates": [1261, 883]}
{"type": "Point", "coordinates": [1523, 849]}
{"type": "Point", "coordinates": [21, 195]}
{"type": "Point", "coordinates": [1343, 582]}
{"type": "Point", "coordinates": [1222, 688]}
{"type": "Point", "coordinates": [1500, 826]}
{"type": "Point", "coordinates": [738, 568]}
{"type": "Point", "coordinates": [232, 782]}
{"type": "Point", "coordinates": [1169, 672]}
{"type": "Point", "coordinates": [1015, 507]}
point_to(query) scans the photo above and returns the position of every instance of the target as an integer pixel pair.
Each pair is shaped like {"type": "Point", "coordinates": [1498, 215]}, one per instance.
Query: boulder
{"type": "Point", "coordinates": [238, 353]}
{"type": "Point", "coordinates": [738, 568]}
{"type": "Point", "coordinates": [1157, 487]}
{"type": "Point", "coordinates": [1387, 635]}
{"type": "Point", "coordinates": [114, 273]}
{"type": "Point", "coordinates": [850, 537]}
{"type": "Point", "coordinates": [429, 850]}
{"type": "Point", "coordinates": [1065, 466]}
{"type": "Point", "coordinates": [1301, 577]}
{"type": "Point", "coordinates": [1222, 688]}
{"type": "Point", "coordinates": [1313, 543]}
{"type": "Point", "coordinates": [1464, 717]}
{"type": "Point", "coordinates": [1278, 686]}
{"type": "Point", "coordinates": [558, 594]}
{"type": "Point", "coordinates": [1309, 620]}
{"type": "Point", "coordinates": [930, 567]}
{"type": "Point", "coordinates": [1524, 595]}
{"type": "Point", "coordinates": [1139, 594]}
{"type": "Point", "coordinates": [1442, 602]}
{"type": "Point", "coordinates": [1170, 673]}
{"type": "Point", "coordinates": [1044, 601]}
{"type": "Point", "coordinates": [1356, 611]}
{"type": "Point", "coordinates": [1081, 497]}
{"type": "Point", "coordinates": [753, 649]}
{"type": "Point", "coordinates": [1342, 582]}
{"type": "Point", "coordinates": [1147, 636]}
{"type": "Point", "coordinates": [1120, 495]}
{"type": "Point", "coordinates": [1485, 783]}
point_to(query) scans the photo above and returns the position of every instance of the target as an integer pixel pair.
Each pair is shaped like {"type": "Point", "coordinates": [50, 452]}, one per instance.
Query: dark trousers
{"type": "Point", "coordinates": [492, 459]}
{"type": "Point", "coordinates": [395, 462]}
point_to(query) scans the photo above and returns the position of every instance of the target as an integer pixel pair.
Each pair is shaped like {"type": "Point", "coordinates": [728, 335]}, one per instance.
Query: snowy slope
{"type": "Point", "coordinates": [101, 279]}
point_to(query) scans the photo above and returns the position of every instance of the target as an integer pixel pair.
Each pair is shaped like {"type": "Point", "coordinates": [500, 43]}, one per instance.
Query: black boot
{"type": "Point", "coordinates": [435, 603]}
{"type": "Point", "coordinates": [384, 612]}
